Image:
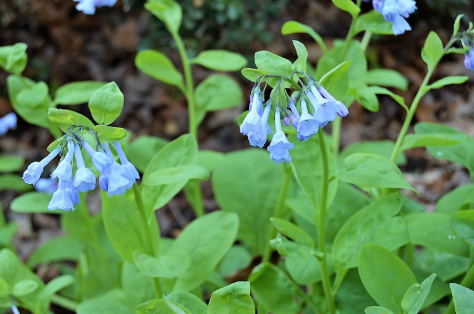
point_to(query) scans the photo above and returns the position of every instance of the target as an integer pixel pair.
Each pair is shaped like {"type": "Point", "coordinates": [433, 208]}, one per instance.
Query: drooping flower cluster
{"type": "Point", "coordinates": [114, 178]}
{"type": "Point", "coordinates": [396, 11]}
{"type": "Point", "coordinates": [88, 6]}
{"type": "Point", "coordinates": [8, 122]}
{"type": "Point", "coordinates": [322, 109]}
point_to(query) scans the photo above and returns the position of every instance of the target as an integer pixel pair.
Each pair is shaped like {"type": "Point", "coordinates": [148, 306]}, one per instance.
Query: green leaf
{"type": "Point", "coordinates": [13, 59]}
{"type": "Point", "coordinates": [180, 152]}
{"type": "Point", "coordinates": [66, 118]}
{"type": "Point", "coordinates": [348, 6]}
{"type": "Point", "coordinates": [372, 224]}
{"type": "Point", "coordinates": [438, 290]}
{"type": "Point", "coordinates": [351, 297]}
{"type": "Point", "coordinates": [272, 289]}
{"type": "Point", "coordinates": [33, 202]}
{"type": "Point", "coordinates": [377, 310]}
{"type": "Point", "coordinates": [13, 182]}
{"type": "Point", "coordinates": [272, 63]}
{"type": "Point", "coordinates": [217, 92]}
{"type": "Point", "coordinates": [24, 287]}
{"type": "Point", "coordinates": [106, 104]}
{"type": "Point", "coordinates": [386, 77]}
{"type": "Point", "coordinates": [170, 265]}
{"type": "Point", "coordinates": [462, 153]}
{"type": "Point", "coordinates": [457, 22]}
{"type": "Point", "coordinates": [385, 276]}
{"type": "Point", "coordinates": [383, 91]}
{"type": "Point", "coordinates": [136, 286]}
{"type": "Point", "coordinates": [463, 223]}
{"type": "Point", "coordinates": [168, 11]}
{"type": "Point", "coordinates": [432, 50]}
{"type": "Point", "coordinates": [141, 151]}
{"type": "Point", "coordinates": [55, 250]}
{"type": "Point", "coordinates": [292, 231]}
{"type": "Point", "coordinates": [447, 266]}
{"type": "Point", "coordinates": [214, 233]}
{"type": "Point", "coordinates": [163, 306]}
{"type": "Point", "coordinates": [11, 163]}
{"type": "Point", "coordinates": [236, 259]}
{"type": "Point", "coordinates": [293, 27]}
{"type": "Point", "coordinates": [109, 134]}
{"type": "Point", "coordinates": [432, 230]}
{"type": "Point", "coordinates": [373, 22]}
{"type": "Point", "coordinates": [76, 93]}
{"type": "Point", "coordinates": [416, 295]}
{"type": "Point", "coordinates": [7, 232]}
{"type": "Point", "coordinates": [112, 302]}
{"type": "Point", "coordinates": [300, 63]}
{"type": "Point", "coordinates": [34, 96]}
{"type": "Point", "coordinates": [237, 186]}
{"type": "Point", "coordinates": [382, 148]}
{"type": "Point", "coordinates": [122, 223]}
{"type": "Point", "coordinates": [158, 66]}
{"type": "Point", "coordinates": [232, 299]}
{"type": "Point", "coordinates": [422, 140]}
{"type": "Point", "coordinates": [369, 170]}
{"type": "Point", "coordinates": [194, 304]}
{"type": "Point", "coordinates": [336, 81]}
{"type": "Point", "coordinates": [448, 81]}
{"type": "Point", "coordinates": [57, 284]}
{"type": "Point", "coordinates": [463, 299]}
{"type": "Point", "coordinates": [176, 174]}
{"type": "Point", "coordinates": [252, 74]}
{"type": "Point", "coordinates": [220, 60]}
{"type": "Point", "coordinates": [306, 164]}
{"type": "Point", "coordinates": [209, 159]}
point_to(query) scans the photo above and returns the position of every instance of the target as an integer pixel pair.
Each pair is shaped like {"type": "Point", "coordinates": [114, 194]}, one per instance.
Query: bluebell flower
{"type": "Point", "coordinates": [252, 121]}
{"type": "Point", "coordinates": [396, 11]}
{"type": "Point", "coordinates": [258, 136]}
{"type": "Point", "coordinates": [34, 170]}
{"type": "Point", "coordinates": [48, 186]}
{"type": "Point", "coordinates": [8, 122]}
{"type": "Point", "coordinates": [73, 193]}
{"type": "Point", "coordinates": [64, 169]}
{"type": "Point", "coordinates": [307, 124]}
{"type": "Point", "coordinates": [84, 179]}
{"type": "Point", "coordinates": [339, 107]}
{"type": "Point", "coordinates": [113, 180]}
{"type": "Point", "coordinates": [100, 160]}
{"type": "Point", "coordinates": [88, 6]}
{"type": "Point", "coordinates": [15, 309]}
{"type": "Point", "coordinates": [131, 173]}
{"type": "Point", "coordinates": [279, 146]}
{"type": "Point", "coordinates": [61, 198]}
{"type": "Point", "coordinates": [469, 60]}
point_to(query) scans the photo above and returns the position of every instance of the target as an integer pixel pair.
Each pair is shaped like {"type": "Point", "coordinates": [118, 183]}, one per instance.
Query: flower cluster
{"type": "Point", "coordinates": [396, 11]}
{"type": "Point", "coordinates": [8, 122]}
{"type": "Point", "coordinates": [322, 109]}
{"type": "Point", "coordinates": [88, 6]}
{"type": "Point", "coordinates": [114, 178]}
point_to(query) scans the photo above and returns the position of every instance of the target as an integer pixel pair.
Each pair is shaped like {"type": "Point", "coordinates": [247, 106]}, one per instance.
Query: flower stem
{"type": "Point", "coordinates": [466, 282]}
{"type": "Point", "coordinates": [320, 219]}
{"type": "Point", "coordinates": [278, 208]}
{"type": "Point", "coordinates": [148, 238]}
{"type": "Point", "coordinates": [64, 302]}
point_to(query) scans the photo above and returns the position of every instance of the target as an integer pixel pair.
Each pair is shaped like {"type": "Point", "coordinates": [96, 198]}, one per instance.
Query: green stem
{"type": "Point", "coordinates": [336, 135]}
{"type": "Point", "coordinates": [320, 222]}
{"type": "Point", "coordinates": [365, 40]}
{"type": "Point", "coordinates": [148, 238]}
{"type": "Point", "coordinates": [306, 298]}
{"type": "Point", "coordinates": [189, 88]}
{"type": "Point", "coordinates": [466, 282]}
{"type": "Point", "coordinates": [278, 208]}
{"type": "Point", "coordinates": [95, 243]}
{"type": "Point", "coordinates": [409, 252]}
{"type": "Point", "coordinates": [64, 302]}
{"type": "Point", "coordinates": [338, 281]}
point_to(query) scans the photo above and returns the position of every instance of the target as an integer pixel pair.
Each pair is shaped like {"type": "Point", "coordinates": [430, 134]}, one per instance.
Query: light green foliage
{"type": "Point", "coordinates": [293, 27]}
{"type": "Point", "coordinates": [189, 301]}
{"type": "Point", "coordinates": [13, 182]}
{"type": "Point", "coordinates": [372, 224]}
{"type": "Point", "coordinates": [424, 140]}
{"type": "Point", "coordinates": [167, 266]}
{"type": "Point", "coordinates": [373, 22]}
{"type": "Point", "coordinates": [13, 59]}
{"type": "Point", "coordinates": [176, 174]}
{"type": "Point", "coordinates": [32, 202]}
{"type": "Point", "coordinates": [348, 6]}
{"type": "Point", "coordinates": [386, 77]}
{"type": "Point", "coordinates": [57, 249]}
{"type": "Point", "coordinates": [377, 310]}
{"type": "Point", "coordinates": [237, 184]}
{"type": "Point", "coordinates": [382, 148]}
{"type": "Point", "coordinates": [220, 60]}
{"type": "Point", "coordinates": [168, 11]}
{"type": "Point", "coordinates": [300, 63]}
{"type": "Point", "coordinates": [106, 104]}
{"type": "Point", "coordinates": [336, 81]}
{"type": "Point", "coordinates": [463, 299]}
{"type": "Point", "coordinates": [385, 276]}
{"type": "Point", "coordinates": [445, 265]}
{"type": "Point", "coordinates": [432, 50]}
{"type": "Point", "coordinates": [272, 63]}
{"type": "Point", "coordinates": [463, 223]}
{"type": "Point", "coordinates": [273, 290]}
{"type": "Point", "coordinates": [111, 302]}
{"type": "Point", "coordinates": [66, 118]}
{"type": "Point", "coordinates": [232, 299]}
{"type": "Point", "coordinates": [137, 287]}
{"type": "Point", "coordinates": [10, 163]}
{"type": "Point", "coordinates": [141, 151]}
{"type": "Point", "coordinates": [108, 134]}
{"type": "Point", "coordinates": [76, 92]}
{"type": "Point", "coordinates": [351, 297]}
{"type": "Point", "coordinates": [369, 170]}
{"type": "Point", "coordinates": [292, 231]}
{"type": "Point", "coordinates": [416, 295]}
{"type": "Point", "coordinates": [158, 66]}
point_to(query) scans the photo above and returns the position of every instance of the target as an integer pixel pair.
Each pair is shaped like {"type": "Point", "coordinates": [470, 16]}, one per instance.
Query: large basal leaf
{"type": "Point", "coordinates": [237, 184]}
{"type": "Point", "coordinates": [372, 224]}
{"type": "Point", "coordinates": [137, 286]}
{"type": "Point", "coordinates": [351, 297]}
{"type": "Point", "coordinates": [141, 151]}
{"type": "Point", "coordinates": [206, 240]}
{"type": "Point", "coordinates": [169, 265]}
{"type": "Point", "coordinates": [385, 276]}
{"type": "Point", "coordinates": [63, 248]}
{"type": "Point", "coordinates": [191, 302]}
{"type": "Point", "coordinates": [232, 299]}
